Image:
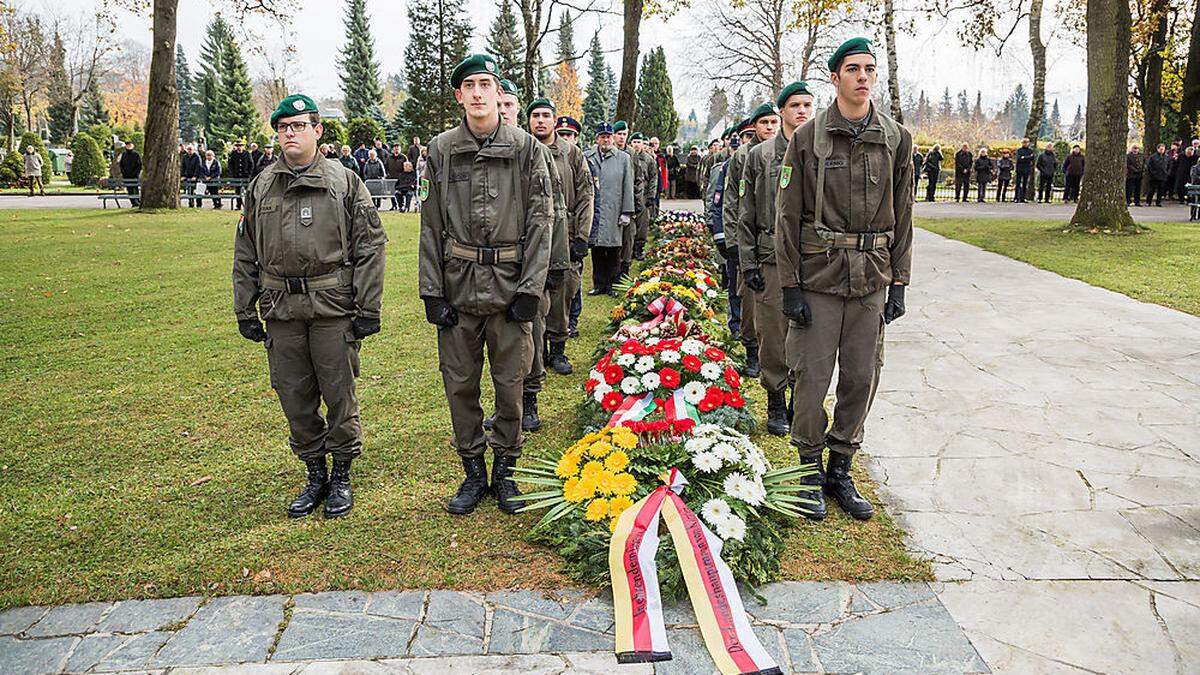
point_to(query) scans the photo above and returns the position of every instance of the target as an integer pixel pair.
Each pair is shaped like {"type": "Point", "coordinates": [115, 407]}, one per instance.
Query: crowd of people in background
{"type": "Point", "coordinates": [1165, 173]}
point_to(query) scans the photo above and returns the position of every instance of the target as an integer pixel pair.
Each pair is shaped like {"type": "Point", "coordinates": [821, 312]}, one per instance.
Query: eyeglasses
{"type": "Point", "coordinates": [294, 127]}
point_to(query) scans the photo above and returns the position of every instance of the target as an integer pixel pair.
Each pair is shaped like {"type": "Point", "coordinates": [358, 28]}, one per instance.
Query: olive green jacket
{"type": "Point", "coordinates": [577, 188]}
{"type": "Point", "coordinates": [495, 193]}
{"type": "Point", "coordinates": [308, 225]}
{"type": "Point", "coordinates": [560, 245]}
{"type": "Point", "coordinates": [647, 169]}
{"type": "Point", "coordinates": [756, 213]}
{"type": "Point", "coordinates": [866, 190]}
{"type": "Point", "coordinates": [731, 196]}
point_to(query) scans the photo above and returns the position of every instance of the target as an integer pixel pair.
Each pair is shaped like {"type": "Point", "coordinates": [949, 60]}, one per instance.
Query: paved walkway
{"type": "Point", "coordinates": [1039, 438]}
{"type": "Point", "coordinates": [1056, 211]}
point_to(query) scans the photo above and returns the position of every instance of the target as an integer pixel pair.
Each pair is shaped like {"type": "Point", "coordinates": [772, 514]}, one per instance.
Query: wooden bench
{"type": "Point", "coordinates": [218, 197]}
{"type": "Point", "coordinates": [1193, 200]}
{"type": "Point", "coordinates": [116, 197]}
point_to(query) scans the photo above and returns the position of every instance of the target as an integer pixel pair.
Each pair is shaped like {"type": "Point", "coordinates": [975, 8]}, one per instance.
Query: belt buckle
{"type": "Point", "coordinates": [296, 285]}
{"type": "Point", "coordinates": [866, 241]}
{"type": "Point", "coordinates": [487, 255]}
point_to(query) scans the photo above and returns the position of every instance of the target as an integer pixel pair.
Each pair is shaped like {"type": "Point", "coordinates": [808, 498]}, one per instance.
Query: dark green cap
{"type": "Point", "coordinates": [296, 104]}
{"type": "Point", "coordinates": [542, 102]}
{"type": "Point", "coordinates": [764, 110]}
{"type": "Point", "coordinates": [637, 136]}
{"type": "Point", "coordinates": [509, 87]}
{"type": "Point", "coordinates": [473, 65]}
{"type": "Point", "coordinates": [858, 45]}
{"type": "Point", "coordinates": [620, 126]}
{"type": "Point", "coordinates": [791, 90]}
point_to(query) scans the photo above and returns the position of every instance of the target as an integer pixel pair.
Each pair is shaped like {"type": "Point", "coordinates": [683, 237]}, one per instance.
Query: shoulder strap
{"type": "Point", "coordinates": [891, 130]}
{"type": "Point", "coordinates": [822, 149]}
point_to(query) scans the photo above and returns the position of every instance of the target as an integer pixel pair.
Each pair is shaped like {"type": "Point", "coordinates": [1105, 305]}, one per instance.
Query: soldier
{"type": "Point", "coordinates": [309, 252]}
{"type": "Point", "coordinates": [762, 125]}
{"type": "Point", "coordinates": [646, 174]}
{"type": "Point", "coordinates": [843, 246]}
{"type": "Point", "coordinates": [486, 218]}
{"type": "Point", "coordinates": [568, 128]}
{"type": "Point", "coordinates": [576, 192]}
{"type": "Point", "coordinates": [621, 135]}
{"type": "Point", "coordinates": [756, 248]}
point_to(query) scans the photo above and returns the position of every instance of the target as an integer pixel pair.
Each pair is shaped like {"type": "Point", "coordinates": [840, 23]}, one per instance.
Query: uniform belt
{"type": "Point", "coordinates": [865, 241]}
{"type": "Point", "coordinates": [294, 285]}
{"type": "Point", "coordinates": [485, 255]}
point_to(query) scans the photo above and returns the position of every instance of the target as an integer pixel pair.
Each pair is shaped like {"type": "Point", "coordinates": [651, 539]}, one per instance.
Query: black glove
{"type": "Point", "coordinates": [252, 329]}
{"type": "Point", "coordinates": [754, 280]}
{"type": "Point", "coordinates": [362, 326]}
{"type": "Point", "coordinates": [554, 279]}
{"type": "Point", "coordinates": [523, 308]}
{"type": "Point", "coordinates": [440, 313]}
{"type": "Point", "coordinates": [721, 249]}
{"type": "Point", "coordinates": [795, 307]}
{"type": "Point", "coordinates": [579, 250]}
{"type": "Point", "coordinates": [894, 307]}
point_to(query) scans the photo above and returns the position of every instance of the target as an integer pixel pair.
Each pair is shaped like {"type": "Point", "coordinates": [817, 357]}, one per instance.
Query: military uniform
{"type": "Point", "coordinates": [309, 259]}
{"type": "Point", "coordinates": [578, 192]}
{"type": "Point", "coordinates": [646, 168]}
{"type": "Point", "coordinates": [640, 207]}
{"type": "Point", "coordinates": [730, 215]}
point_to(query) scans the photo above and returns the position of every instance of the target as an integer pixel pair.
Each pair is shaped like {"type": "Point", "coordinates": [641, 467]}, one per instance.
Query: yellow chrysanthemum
{"type": "Point", "coordinates": [574, 491]}
{"type": "Point", "coordinates": [596, 509]}
{"type": "Point", "coordinates": [600, 448]}
{"type": "Point", "coordinates": [616, 461]}
{"type": "Point", "coordinates": [568, 465]}
{"type": "Point", "coordinates": [618, 504]}
{"type": "Point", "coordinates": [592, 471]}
{"type": "Point", "coordinates": [624, 484]}
{"type": "Point", "coordinates": [624, 438]}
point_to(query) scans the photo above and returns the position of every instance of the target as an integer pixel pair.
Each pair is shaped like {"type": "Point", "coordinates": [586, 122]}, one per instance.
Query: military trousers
{"type": "Point", "coordinates": [460, 357]}
{"type": "Point", "coordinates": [643, 228]}
{"type": "Point", "coordinates": [537, 365]}
{"type": "Point", "coordinates": [850, 332]}
{"type": "Point", "coordinates": [628, 235]}
{"type": "Point", "coordinates": [748, 334]}
{"type": "Point", "coordinates": [558, 320]}
{"type": "Point", "coordinates": [310, 361]}
{"type": "Point", "coordinates": [772, 329]}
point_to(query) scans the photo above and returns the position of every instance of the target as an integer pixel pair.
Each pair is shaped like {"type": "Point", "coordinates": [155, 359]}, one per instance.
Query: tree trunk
{"type": "Point", "coordinates": [160, 179]}
{"type": "Point", "coordinates": [627, 93]}
{"type": "Point", "coordinates": [1102, 197]}
{"type": "Point", "coordinates": [1152, 84]}
{"type": "Point", "coordinates": [889, 33]}
{"type": "Point", "coordinates": [531, 20]}
{"type": "Point", "coordinates": [1191, 82]}
{"type": "Point", "coordinates": [1038, 106]}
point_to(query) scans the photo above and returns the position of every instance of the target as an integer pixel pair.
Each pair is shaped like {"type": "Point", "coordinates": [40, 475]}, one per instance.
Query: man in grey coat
{"type": "Point", "coordinates": [614, 208]}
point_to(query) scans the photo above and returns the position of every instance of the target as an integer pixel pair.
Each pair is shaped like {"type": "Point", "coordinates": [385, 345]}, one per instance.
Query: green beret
{"type": "Point", "coordinates": [620, 126]}
{"type": "Point", "coordinates": [791, 90]}
{"type": "Point", "coordinates": [637, 136]}
{"type": "Point", "coordinates": [542, 102]}
{"type": "Point", "coordinates": [765, 110]}
{"type": "Point", "coordinates": [296, 104]}
{"type": "Point", "coordinates": [509, 87]}
{"type": "Point", "coordinates": [858, 45]}
{"type": "Point", "coordinates": [473, 65]}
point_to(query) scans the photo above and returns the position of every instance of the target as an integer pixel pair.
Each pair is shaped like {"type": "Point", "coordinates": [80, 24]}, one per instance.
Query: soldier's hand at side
{"type": "Point", "coordinates": [362, 327]}
{"type": "Point", "coordinates": [439, 312]}
{"type": "Point", "coordinates": [894, 307]}
{"type": "Point", "coordinates": [579, 250]}
{"type": "Point", "coordinates": [523, 308]}
{"type": "Point", "coordinates": [252, 329]}
{"type": "Point", "coordinates": [721, 249]}
{"type": "Point", "coordinates": [795, 307]}
{"type": "Point", "coordinates": [754, 280]}
{"type": "Point", "coordinates": [554, 279]}
{"type": "Point", "coordinates": [623, 220]}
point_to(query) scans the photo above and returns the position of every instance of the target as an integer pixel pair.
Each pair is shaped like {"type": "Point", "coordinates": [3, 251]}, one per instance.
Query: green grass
{"type": "Point", "coordinates": [1160, 265]}
{"type": "Point", "coordinates": [145, 454]}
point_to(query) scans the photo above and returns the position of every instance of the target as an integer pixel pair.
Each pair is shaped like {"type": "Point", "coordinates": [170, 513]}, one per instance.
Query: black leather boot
{"type": "Point", "coordinates": [529, 413]}
{"type": "Point", "coordinates": [557, 360]}
{"type": "Point", "coordinates": [815, 511]}
{"type": "Point", "coordinates": [503, 486]}
{"type": "Point", "coordinates": [341, 497]}
{"type": "Point", "coordinates": [473, 489]}
{"type": "Point", "coordinates": [777, 421]}
{"type": "Point", "coordinates": [314, 491]}
{"type": "Point", "coordinates": [752, 368]}
{"type": "Point", "coordinates": [840, 486]}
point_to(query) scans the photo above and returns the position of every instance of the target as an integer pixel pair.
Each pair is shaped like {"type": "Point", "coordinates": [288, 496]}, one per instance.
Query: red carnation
{"type": "Point", "coordinates": [612, 400]}
{"type": "Point", "coordinates": [590, 385]}
{"type": "Point", "coordinates": [708, 405]}
{"type": "Point", "coordinates": [613, 374]}
{"type": "Point", "coordinates": [734, 399]}
{"type": "Point", "coordinates": [670, 344]}
{"type": "Point", "coordinates": [714, 354]}
{"type": "Point", "coordinates": [732, 377]}
{"type": "Point", "coordinates": [630, 347]}
{"type": "Point", "coordinates": [669, 378]}
{"type": "Point", "coordinates": [715, 393]}
{"type": "Point", "coordinates": [684, 425]}
{"type": "Point", "coordinates": [692, 363]}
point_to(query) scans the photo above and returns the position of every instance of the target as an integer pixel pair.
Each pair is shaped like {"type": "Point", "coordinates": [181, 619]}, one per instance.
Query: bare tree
{"type": "Point", "coordinates": [539, 20]}
{"type": "Point", "coordinates": [889, 34]}
{"type": "Point", "coordinates": [24, 61]}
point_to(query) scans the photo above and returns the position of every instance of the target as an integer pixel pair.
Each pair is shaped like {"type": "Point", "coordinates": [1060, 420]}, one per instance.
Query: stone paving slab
{"type": "Point", "coordinates": [807, 626]}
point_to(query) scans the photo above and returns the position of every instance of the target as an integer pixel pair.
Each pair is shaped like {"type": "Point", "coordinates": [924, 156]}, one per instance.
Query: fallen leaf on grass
{"type": "Point", "coordinates": [201, 480]}
{"type": "Point", "coordinates": [263, 576]}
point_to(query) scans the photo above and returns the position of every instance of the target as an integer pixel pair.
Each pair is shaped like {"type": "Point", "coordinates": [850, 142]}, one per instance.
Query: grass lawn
{"type": "Point", "coordinates": [1160, 266]}
{"type": "Point", "coordinates": [57, 187]}
{"type": "Point", "coordinates": [146, 455]}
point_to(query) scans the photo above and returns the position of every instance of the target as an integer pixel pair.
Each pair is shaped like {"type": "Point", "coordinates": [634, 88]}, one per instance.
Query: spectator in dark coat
{"type": "Point", "coordinates": [360, 155]}
{"type": "Point", "coordinates": [190, 170]}
{"type": "Point", "coordinates": [267, 159]}
{"type": "Point", "coordinates": [1173, 156]}
{"type": "Point", "coordinates": [414, 150]}
{"type": "Point", "coordinates": [963, 160]}
{"type": "Point", "coordinates": [1183, 171]}
{"type": "Point", "coordinates": [984, 166]}
{"type": "Point", "coordinates": [674, 173]}
{"type": "Point", "coordinates": [1047, 166]}
{"type": "Point", "coordinates": [348, 160]}
{"type": "Point", "coordinates": [1158, 167]}
{"type": "Point", "coordinates": [1073, 168]}
{"type": "Point", "coordinates": [918, 159]}
{"type": "Point", "coordinates": [1025, 159]}
{"type": "Point", "coordinates": [932, 170]}
{"type": "Point", "coordinates": [240, 165]}
{"type": "Point", "coordinates": [691, 173]}
{"type": "Point", "coordinates": [373, 169]}
{"type": "Point", "coordinates": [131, 171]}
{"type": "Point", "coordinates": [1004, 169]}
{"type": "Point", "coordinates": [1134, 170]}
{"type": "Point", "coordinates": [393, 164]}
{"type": "Point", "coordinates": [255, 155]}
{"type": "Point", "coordinates": [210, 173]}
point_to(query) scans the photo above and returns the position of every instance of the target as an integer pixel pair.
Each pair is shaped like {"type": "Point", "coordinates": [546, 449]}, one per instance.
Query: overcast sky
{"type": "Point", "coordinates": [931, 59]}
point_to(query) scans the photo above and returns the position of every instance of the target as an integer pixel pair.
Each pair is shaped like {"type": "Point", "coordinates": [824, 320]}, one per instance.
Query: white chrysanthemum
{"type": "Point", "coordinates": [716, 511]}
{"type": "Point", "coordinates": [693, 392]}
{"type": "Point", "coordinates": [710, 293]}
{"type": "Point", "coordinates": [726, 452]}
{"type": "Point", "coordinates": [732, 527]}
{"type": "Point", "coordinates": [600, 392]}
{"type": "Point", "coordinates": [757, 462]}
{"type": "Point", "coordinates": [706, 462]}
{"type": "Point", "coordinates": [644, 364]}
{"type": "Point", "coordinates": [692, 347]}
{"type": "Point", "coordinates": [710, 371]}
{"type": "Point", "coordinates": [669, 356]}
{"type": "Point", "coordinates": [735, 485]}
{"type": "Point", "coordinates": [694, 445]}
{"type": "Point", "coordinates": [754, 493]}
{"type": "Point", "coordinates": [705, 429]}
{"type": "Point", "coordinates": [651, 381]}
{"type": "Point", "coordinates": [631, 385]}
{"type": "Point", "coordinates": [626, 359]}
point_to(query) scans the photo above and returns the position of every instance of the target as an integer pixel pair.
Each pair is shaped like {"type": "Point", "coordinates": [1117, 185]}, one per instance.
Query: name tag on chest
{"type": "Point", "coordinates": [835, 164]}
